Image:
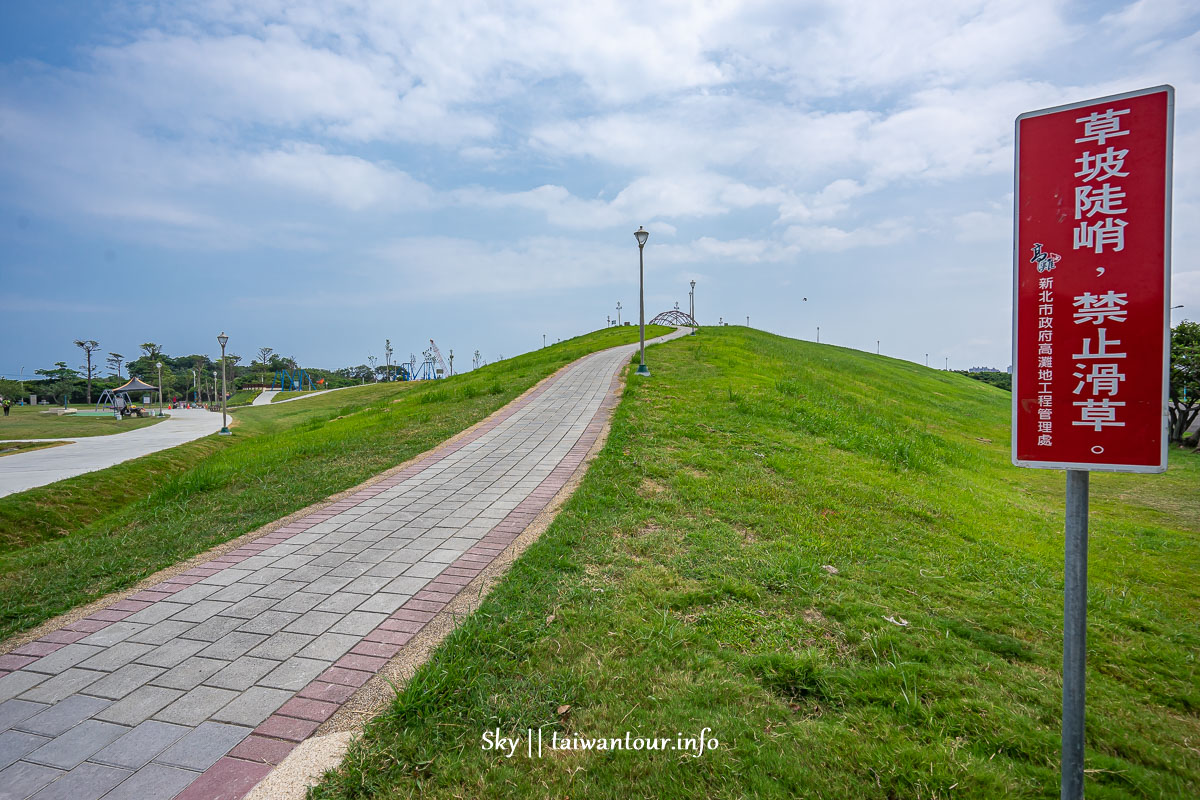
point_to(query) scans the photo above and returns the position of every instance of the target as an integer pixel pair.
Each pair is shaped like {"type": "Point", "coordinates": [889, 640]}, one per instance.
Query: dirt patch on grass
{"type": "Point", "coordinates": [650, 488]}
{"type": "Point", "coordinates": [814, 617]}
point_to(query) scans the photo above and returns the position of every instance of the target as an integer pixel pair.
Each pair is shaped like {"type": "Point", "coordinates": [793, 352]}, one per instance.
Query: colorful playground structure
{"type": "Point", "coordinates": [432, 367]}
{"type": "Point", "coordinates": [291, 380]}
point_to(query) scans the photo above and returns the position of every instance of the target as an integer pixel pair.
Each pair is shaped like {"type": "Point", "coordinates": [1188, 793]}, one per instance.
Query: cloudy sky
{"type": "Point", "coordinates": [317, 177]}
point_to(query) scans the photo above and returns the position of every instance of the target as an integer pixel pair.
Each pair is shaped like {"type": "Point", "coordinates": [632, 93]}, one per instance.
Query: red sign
{"type": "Point", "coordinates": [1091, 274]}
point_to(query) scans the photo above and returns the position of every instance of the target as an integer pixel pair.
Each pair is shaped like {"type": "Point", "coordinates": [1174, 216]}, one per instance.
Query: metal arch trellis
{"type": "Point", "coordinates": [676, 318]}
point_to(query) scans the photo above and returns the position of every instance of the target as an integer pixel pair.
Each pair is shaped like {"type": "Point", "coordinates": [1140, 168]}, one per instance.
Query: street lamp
{"type": "Point", "coordinates": [543, 340]}
{"type": "Point", "coordinates": [618, 312]}
{"type": "Point", "coordinates": [159, 365]}
{"type": "Point", "coordinates": [818, 334]}
{"type": "Point", "coordinates": [223, 339]}
{"type": "Point", "coordinates": [692, 302]}
{"type": "Point", "coordinates": [212, 396]}
{"type": "Point", "coordinates": [196, 386]}
{"type": "Point", "coordinates": [642, 235]}
{"type": "Point", "coordinates": [452, 361]}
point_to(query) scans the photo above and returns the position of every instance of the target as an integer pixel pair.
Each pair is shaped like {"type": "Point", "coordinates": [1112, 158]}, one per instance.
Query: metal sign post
{"type": "Point", "coordinates": [1074, 633]}
{"type": "Point", "coordinates": [1091, 323]}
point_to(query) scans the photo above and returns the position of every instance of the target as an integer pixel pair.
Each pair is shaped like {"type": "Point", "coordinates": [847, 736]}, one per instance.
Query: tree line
{"type": "Point", "coordinates": [194, 377]}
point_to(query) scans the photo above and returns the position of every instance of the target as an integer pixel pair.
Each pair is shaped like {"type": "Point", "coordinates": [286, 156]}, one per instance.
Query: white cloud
{"type": "Point", "coordinates": [830, 239]}
{"type": "Point", "coordinates": [347, 181]}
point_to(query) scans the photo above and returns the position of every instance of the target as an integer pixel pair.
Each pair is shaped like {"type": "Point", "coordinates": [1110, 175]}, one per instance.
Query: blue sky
{"type": "Point", "coordinates": [319, 176]}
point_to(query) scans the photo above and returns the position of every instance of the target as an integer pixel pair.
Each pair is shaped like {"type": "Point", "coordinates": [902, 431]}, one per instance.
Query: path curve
{"type": "Point", "coordinates": [198, 686]}
{"type": "Point", "coordinates": [22, 471]}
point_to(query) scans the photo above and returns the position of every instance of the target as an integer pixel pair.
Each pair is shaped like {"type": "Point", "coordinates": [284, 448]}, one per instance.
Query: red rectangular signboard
{"type": "Point", "coordinates": [1091, 275]}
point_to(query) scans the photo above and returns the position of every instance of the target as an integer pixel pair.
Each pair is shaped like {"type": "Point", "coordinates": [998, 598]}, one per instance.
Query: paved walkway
{"type": "Point", "coordinates": [264, 397]}
{"type": "Point", "coordinates": [21, 471]}
{"type": "Point", "coordinates": [197, 687]}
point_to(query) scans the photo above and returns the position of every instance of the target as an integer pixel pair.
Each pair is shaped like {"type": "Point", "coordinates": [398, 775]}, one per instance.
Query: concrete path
{"type": "Point", "coordinates": [21, 471]}
{"type": "Point", "coordinates": [264, 397]}
{"type": "Point", "coordinates": [197, 687]}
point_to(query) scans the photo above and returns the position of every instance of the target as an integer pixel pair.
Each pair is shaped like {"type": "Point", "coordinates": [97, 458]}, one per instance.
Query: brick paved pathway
{"type": "Point", "coordinates": [196, 687]}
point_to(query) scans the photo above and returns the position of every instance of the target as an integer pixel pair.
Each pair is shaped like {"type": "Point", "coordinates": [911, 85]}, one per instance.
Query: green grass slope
{"type": "Point", "coordinates": [825, 557]}
{"type": "Point", "coordinates": [72, 541]}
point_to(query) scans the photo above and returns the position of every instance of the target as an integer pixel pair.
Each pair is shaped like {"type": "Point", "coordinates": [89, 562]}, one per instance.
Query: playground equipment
{"type": "Point", "coordinates": [431, 368]}
{"type": "Point", "coordinates": [291, 380]}
{"type": "Point", "coordinates": [118, 400]}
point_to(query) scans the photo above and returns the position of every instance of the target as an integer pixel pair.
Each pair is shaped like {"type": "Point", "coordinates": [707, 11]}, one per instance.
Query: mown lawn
{"type": "Point", "coordinates": [31, 422]}
{"type": "Point", "coordinates": [73, 541]}
{"type": "Point", "coordinates": [825, 557]}
{"type": "Point", "coordinates": [9, 448]}
{"type": "Point", "coordinates": [290, 395]}
{"type": "Point", "coordinates": [243, 397]}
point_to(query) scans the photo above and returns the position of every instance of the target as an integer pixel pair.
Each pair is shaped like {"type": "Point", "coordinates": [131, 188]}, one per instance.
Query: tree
{"type": "Point", "coordinates": [232, 359]}
{"type": "Point", "coordinates": [88, 346]}
{"type": "Point", "coordinates": [60, 381]}
{"type": "Point", "coordinates": [115, 362]}
{"type": "Point", "coordinates": [372, 360]}
{"type": "Point", "coordinates": [264, 356]}
{"type": "Point", "coordinates": [150, 350]}
{"type": "Point", "coordinates": [1185, 378]}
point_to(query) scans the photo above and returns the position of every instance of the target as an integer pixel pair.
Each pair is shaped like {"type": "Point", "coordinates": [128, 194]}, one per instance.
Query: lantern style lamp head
{"type": "Point", "coordinates": [159, 365]}
{"type": "Point", "coordinates": [642, 235]}
{"type": "Point", "coordinates": [223, 339]}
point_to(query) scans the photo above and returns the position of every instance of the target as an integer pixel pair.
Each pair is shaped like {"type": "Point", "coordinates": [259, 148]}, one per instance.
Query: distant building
{"type": "Point", "coordinates": [986, 369]}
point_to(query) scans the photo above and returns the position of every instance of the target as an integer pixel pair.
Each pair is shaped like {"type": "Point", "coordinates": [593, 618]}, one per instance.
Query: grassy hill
{"type": "Point", "coordinates": [64, 544]}
{"type": "Point", "coordinates": [825, 557]}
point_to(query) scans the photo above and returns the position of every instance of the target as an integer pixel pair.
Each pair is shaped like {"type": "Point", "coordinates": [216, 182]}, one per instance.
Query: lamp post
{"type": "Point", "coordinates": [642, 235]}
{"type": "Point", "coordinates": [543, 340]}
{"type": "Point", "coordinates": [224, 392]}
{"type": "Point", "coordinates": [212, 397]}
{"type": "Point", "coordinates": [692, 302]}
{"type": "Point", "coordinates": [618, 312]}
{"type": "Point", "coordinates": [818, 334]}
{"type": "Point", "coordinates": [452, 361]}
{"type": "Point", "coordinates": [195, 386]}
{"type": "Point", "coordinates": [876, 347]}
{"type": "Point", "coordinates": [159, 365]}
